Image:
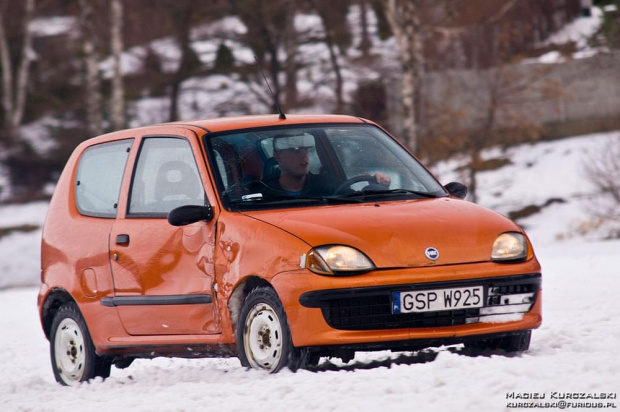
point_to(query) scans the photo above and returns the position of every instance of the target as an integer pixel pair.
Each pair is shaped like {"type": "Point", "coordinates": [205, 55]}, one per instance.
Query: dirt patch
{"type": "Point", "coordinates": [5, 231]}
{"type": "Point", "coordinates": [489, 164]}
{"type": "Point", "coordinates": [533, 209]}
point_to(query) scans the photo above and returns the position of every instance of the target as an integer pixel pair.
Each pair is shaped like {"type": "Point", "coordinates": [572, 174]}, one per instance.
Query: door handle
{"type": "Point", "coordinates": [122, 239]}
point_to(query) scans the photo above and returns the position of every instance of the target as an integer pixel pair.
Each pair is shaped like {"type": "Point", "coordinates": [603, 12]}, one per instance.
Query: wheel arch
{"type": "Point", "coordinates": [53, 301]}
{"type": "Point", "coordinates": [235, 302]}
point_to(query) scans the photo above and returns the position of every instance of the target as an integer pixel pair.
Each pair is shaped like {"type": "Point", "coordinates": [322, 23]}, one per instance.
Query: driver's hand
{"type": "Point", "coordinates": [383, 179]}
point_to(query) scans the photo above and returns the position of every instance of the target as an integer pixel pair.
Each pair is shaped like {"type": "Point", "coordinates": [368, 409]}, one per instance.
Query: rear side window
{"type": "Point", "coordinates": [166, 177]}
{"type": "Point", "coordinates": [99, 177]}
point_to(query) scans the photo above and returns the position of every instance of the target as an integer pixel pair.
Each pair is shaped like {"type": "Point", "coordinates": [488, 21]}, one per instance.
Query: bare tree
{"type": "Point", "coordinates": [92, 90]}
{"type": "Point", "coordinates": [182, 13]}
{"type": "Point", "coordinates": [497, 106]}
{"type": "Point", "coordinates": [434, 35]}
{"type": "Point", "coordinates": [504, 88]}
{"type": "Point", "coordinates": [14, 85]}
{"type": "Point", "coordinates": [323, 8]}
{"type": "Point", "coordinates": [265, 36]}
{"type": "Point", "coordinates": [337, 39]}
{"type": "Point", "coordinates": [506, 98]}
{"type": "Point", "coordinates": [117, 101]}
{"type": "Point", "coordinates": [602, 169]}
{"type": "Point", "coordinates": [365, 42]}
{"type": "Point", "coordinates": [290, 64]}
{"type": "Point", "coordinates": [404, 19]}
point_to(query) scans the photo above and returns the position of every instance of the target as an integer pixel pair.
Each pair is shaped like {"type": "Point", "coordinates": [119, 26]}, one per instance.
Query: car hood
{"type": "Point", "coordinates": [397, 234]}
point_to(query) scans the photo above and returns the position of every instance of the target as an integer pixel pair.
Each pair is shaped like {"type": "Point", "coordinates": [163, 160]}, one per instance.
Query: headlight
{"type": "Point", "coordinates": [509, 246]}
{"type": "Point", "coordinates": [337, 259]}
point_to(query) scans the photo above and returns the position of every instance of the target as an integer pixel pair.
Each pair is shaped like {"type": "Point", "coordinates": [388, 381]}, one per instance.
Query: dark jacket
{"type": "Point", "coordinates": [314, 185]}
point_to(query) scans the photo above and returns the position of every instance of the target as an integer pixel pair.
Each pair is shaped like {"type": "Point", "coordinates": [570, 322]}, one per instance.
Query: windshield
{"type": "Point", "coordinates": [300, 165]}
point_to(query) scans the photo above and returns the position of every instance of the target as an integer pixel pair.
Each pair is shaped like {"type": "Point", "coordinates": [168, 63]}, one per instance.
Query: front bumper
{"type": "Point", "coordinates": [356, 310]}
{"type": "Point", "coordinates": [368, 308]}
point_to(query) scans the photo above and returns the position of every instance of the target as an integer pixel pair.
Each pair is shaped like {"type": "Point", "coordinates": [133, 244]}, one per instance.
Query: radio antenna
{"type": "Point", "coordinates": [275, 100]}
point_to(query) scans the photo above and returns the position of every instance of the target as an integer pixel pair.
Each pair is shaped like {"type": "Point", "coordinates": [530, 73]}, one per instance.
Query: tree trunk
{"type": "Point", "coordinates": [333, 58]}
{"type": "Point", "coordinates": [472, 187]}
{"type": "Point", "coordinates": [290, 41]}
{"type": "Point", "coordinates": [22, 70]}
{"type": "Point", "coordinates": [337, 72]}
{"type": "Point", "coordinates": [7, 81]}
{"type": "Point", "coordinates": [94, 117]}
{"type": "Point", "coordinates": [183, 20]}
{"type": "Point", "coordinates": [405, 24]}
{"type": "Point", "coordinates": [365, 43]}
{"type": "Point", "coordinates": [15, 88]}
{"type": "Point", "coordinates": [117, 102]}
{"type": "Point", "coordinates": [275, 75]}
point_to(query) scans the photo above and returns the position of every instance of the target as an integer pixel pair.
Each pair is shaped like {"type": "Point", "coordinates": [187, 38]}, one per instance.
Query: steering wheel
{"type": "Point", "coordinates": [354, 180]}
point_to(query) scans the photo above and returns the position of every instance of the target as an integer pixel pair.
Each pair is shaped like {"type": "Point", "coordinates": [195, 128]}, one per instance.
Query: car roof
{"type": "Point", "coordinates": [246, 122]}
{"type": "Point", "coordinates": [225, 124]}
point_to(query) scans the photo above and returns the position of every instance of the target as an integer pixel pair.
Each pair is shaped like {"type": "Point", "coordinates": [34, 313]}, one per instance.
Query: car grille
{"type": "Point", "coordinates": [370, 308]}
{"type": "Point", "coordinates": [375, 313]}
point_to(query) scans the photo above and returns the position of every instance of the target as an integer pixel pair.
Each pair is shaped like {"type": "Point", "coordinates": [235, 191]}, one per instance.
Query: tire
{"type": "Point", "coordinates": [71, 348]}
{"type": "Point", "coordinates": [263, 336]}
{"type": "Point", "coordinates": [516, 342]}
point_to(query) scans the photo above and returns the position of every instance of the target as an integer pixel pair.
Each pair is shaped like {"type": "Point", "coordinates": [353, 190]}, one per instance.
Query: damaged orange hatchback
{"type": "Point", "coordinates": [279, 241]}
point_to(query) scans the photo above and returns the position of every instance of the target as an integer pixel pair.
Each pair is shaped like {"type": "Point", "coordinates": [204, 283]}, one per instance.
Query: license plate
{"type": "Point", "coordinates": [437, 299]}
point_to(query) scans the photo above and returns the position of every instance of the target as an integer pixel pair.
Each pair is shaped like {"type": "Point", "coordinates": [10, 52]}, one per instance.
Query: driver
{"type": "Point", "coordinates": [292, 152]}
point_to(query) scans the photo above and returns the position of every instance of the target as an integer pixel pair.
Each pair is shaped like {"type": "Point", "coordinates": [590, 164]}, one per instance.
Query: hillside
{"type": "Point", "coordinates": [367, 81]}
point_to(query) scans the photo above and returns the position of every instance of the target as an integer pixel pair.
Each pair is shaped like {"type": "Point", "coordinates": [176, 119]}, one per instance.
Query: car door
{"type": "Point", "coordinates": [164, 277]}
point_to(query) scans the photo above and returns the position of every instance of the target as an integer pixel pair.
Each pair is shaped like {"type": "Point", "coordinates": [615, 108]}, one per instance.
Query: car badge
{"type": "Point", "coordinates": [431, 253]}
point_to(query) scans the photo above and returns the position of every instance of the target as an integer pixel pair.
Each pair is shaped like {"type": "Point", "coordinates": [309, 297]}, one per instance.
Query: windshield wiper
{"type": "Point", "coordinates": [255, 198]}
{"type": "Point", "coordinates": [389, 192]}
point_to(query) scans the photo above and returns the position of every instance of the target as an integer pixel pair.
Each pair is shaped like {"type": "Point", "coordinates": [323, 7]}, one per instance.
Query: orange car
{"type": "Point", "coordinates": [278, 241]}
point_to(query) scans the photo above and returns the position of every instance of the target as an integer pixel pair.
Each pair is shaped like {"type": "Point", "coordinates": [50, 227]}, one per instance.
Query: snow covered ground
{"type": "Point", "coordinates": [574, 350]}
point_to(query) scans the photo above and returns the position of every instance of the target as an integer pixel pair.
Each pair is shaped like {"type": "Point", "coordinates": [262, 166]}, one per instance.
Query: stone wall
{"type": "Point", "coordinates": [575, 97]}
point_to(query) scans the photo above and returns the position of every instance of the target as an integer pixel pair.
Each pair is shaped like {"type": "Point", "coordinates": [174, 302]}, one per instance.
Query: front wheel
{"type": "Point", "coordinates": [71, 348]}
{"type": "Point", "coordinates": [263, 336]}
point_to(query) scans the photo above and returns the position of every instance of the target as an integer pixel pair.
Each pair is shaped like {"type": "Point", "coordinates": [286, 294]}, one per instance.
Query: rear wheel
{"type": "Point", "coordinates": [71, 348]}
{"type": "Point", "coordinates": [263, 336]}
{"type": "Point", "coordinates": [516, 342]}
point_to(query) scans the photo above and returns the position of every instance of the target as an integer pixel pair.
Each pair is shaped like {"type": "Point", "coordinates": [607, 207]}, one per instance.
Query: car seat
{"type": "Point", "coordinates": [177, 184]}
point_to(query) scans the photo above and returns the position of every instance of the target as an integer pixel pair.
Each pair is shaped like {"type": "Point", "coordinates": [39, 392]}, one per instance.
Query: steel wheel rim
{"type": "Point", "coordinates": [70, 351]}
{"type": "Point", "coordinates": [262, 337]}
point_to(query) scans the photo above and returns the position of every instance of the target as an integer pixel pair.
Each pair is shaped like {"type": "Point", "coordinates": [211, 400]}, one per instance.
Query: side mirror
{"type": "Point", "coordinates": [457, 189]}
{"type": "Point", "coordinates": [184, 215]}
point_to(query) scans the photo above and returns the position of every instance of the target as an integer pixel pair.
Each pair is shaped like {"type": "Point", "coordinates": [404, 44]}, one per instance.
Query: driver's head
{"type": "Point", "coordinates": [292, 153]}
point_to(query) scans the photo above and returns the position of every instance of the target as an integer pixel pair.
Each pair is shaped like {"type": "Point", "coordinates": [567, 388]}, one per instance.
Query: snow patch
{"type": "Point", "coordinates": [52, 26]}
{"type": "Point", "coordinates": [39, 133]}
{"type": "Point", "coordinates": [579, 30]}
{"type": "Point", "coordinates": [504, 318]}
{"type": "Point", "coordinates": [553, 57]}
